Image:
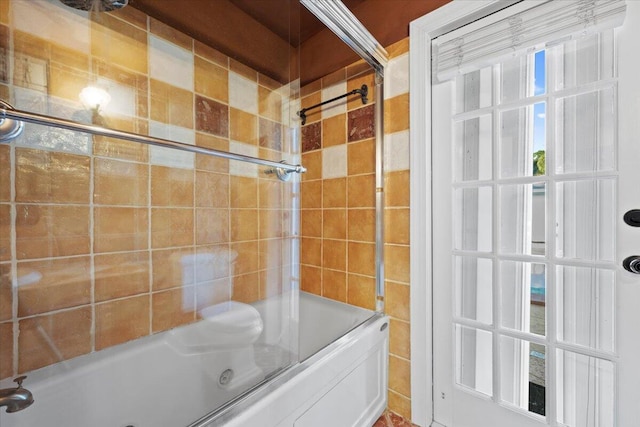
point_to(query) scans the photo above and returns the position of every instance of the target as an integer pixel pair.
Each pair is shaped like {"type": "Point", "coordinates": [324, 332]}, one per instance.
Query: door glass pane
{"type": "Point", "coordinates": [585, 389]}
{"type": "Point", "coordinates": [523, 294]}
{"type": "Point", "coordinates": [474, 90]}
{"type": "Point", "coordinates": [522, 77]}
{"type": "Point", "coordinates": [585, 219]}
{"type": "Point", "coordinates": [473, 291]}
{"type": "Point", "coordinates": [473, 151]}
{"type": "Point", "coordinates": [586, 303]}
{"type": "Point", "coordinates": [523, 374]}
{"type": "Point", "coordinates": [473, 219]}
{"type": "Point", "coordinates": [523, 141]}
{"type": "Point", "coordinates": [474, 359]}
{"type": "Point", "coordinates": [523, 219]}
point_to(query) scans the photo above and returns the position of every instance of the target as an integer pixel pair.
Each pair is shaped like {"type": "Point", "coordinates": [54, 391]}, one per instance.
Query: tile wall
{"type": "Point", "coordinates": [101, 240]}
{"type": "Point", "coordinates": [338, 202]}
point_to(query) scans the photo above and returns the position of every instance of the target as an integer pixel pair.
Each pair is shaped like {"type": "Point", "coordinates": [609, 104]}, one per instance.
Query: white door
{"type": "Point", "coordinates": [535, 160]}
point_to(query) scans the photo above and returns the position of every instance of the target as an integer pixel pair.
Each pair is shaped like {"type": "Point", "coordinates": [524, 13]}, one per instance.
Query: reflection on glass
{"type": "Point", "coordinates": [523, 214]}
{"type": "Point", "coordinates": [473, 288]}
{"type": "Point", "coordinates": [473, 219]}
{"type": "Point", "coordinates": [473, 149]}
{"type": "Point", "coordinates": [474, 90]}
{"type": "Point", "coordinates": [523, 301]}
{"type": "Point", "coordinates": [523, 369]}
{"type": "Point", "coordinates": [474, 354]}
{"type": "Point", "coordinates": [586, 390]}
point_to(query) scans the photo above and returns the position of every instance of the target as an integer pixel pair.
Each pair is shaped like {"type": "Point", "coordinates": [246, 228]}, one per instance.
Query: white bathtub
{"type": "Point", "coordinates": [147, 383]}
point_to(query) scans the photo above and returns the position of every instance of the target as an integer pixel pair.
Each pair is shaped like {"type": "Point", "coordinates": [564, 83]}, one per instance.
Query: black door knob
{"type": "Point", "coordinates": [632, 264]}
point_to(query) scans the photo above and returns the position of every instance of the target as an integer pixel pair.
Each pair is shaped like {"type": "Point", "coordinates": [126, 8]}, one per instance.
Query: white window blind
{"type": "Point", "coordinates": [539, 23]}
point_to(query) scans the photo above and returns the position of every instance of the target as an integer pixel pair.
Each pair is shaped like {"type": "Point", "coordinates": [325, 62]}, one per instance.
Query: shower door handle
{"type": "Point", "coordinates": [632, 264]}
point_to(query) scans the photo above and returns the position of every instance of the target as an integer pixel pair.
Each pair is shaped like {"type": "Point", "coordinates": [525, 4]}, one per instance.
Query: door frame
{"type": "Point", "coordinates": [444, 19]}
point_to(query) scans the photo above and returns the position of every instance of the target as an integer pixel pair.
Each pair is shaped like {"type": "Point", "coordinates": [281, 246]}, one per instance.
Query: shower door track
{"type": "Point", "coordinates": [8, 113]}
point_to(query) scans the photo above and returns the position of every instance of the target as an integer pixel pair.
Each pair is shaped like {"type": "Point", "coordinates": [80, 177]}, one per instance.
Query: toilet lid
{"type": "Point", "coordinates": [232, 316]}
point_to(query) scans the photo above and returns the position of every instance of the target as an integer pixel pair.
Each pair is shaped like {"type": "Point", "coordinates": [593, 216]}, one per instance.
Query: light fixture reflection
{"type": "Point", "coordinates": [94, 98]}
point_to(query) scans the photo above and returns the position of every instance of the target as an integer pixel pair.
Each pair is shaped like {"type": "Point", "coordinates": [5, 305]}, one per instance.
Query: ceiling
{"type": "Point", "coordinates": [266, 34]}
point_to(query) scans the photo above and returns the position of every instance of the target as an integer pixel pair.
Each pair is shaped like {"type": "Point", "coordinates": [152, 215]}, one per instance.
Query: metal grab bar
{"type": "Point", "coordinates": [41, 119]}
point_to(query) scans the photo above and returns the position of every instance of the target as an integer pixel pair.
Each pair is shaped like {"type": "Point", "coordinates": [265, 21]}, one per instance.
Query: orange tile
{"type": "Point", "coordinates": [210, 54]}
{"type": "Point", "coordinates": [212, 190]}
{"type": "Point", "coordinates": [361, 225]}
{"type": "Point", "coordinates": [125, 150]}
{"type": "Point", "coordinates": [361, 157]}
{"type": "Point", "coordinates": [361, 191]}
{"type": "Point", "coordinates": [399, 404]}
{"type": "Point", "coordinates": [53, 284]}
{"type": "Point", "coordinates": [315, 114]}
{"type": "Point", "coordinates": [362, 258]}
{"type": "Point", "coordinates": [172, 308]}
{"type": "Point", "coordinates": [269, 104]}
{"type": "Point", "coordinates": [272, 222]}
{"type": "Point", "coordinates": [361, 291]}
{"type": "Point", "coordinates": [334, 254]}
{"type": "Point", "coordinates": [313, 162]}
{"type": "Point", "coordinates": [118, 42]}
{"type": "Point", "coordinates": [396, 226]}
{"type": "Point", "coordinates": [311, 279]}
{"type": "Point", "coordinates": [5, 232]}
{"type": "Point", "coordinates": [120, 321]}
{"type": "Point", "coordinates": [212, 163]}
{"type": "Point", "coordinates": [171, 186]}
{"type": "Point", "coordinates": [65, 82]}
{"type": "Point", "coordinates": [311, 223]}
{"type": "Point", "coordinates": [268, 82]}
{"type": "Point", "coordinates": [170, 34]}
{"type": "Point", "coordinates": [212, 226]}
{"type": "Point", "coordinates": [396, 300]}
{"type": "Point", "coordinates": [6, 292]}
{"type": "Point", "coordinates": [248, 260]}
{"type": "Point", "coordinates": [334, 285]}
{"type": "Point", "coordinates": [396, 114]}
{"type": "Point", "coordinates": [43, 340]}
{"type": "Point", "coordinates": [171, 227]}
{"type": "Point", "coordinates": [167, 269]}
{"type": "Point", "coordinates": [120, 229]}
{"type": "Point", "coordinates": [396, 263]}
{"type": "Point", "coordinates": [271, 194]}
{"type": "Point", "coordinates": [244, 225]}
{"type": "Point", "coordinates": [336, 77]}
{"type": "Point", "coordinates": [334, 193]}
{"type": "Point", "coordinates": [243, 70]}
{"type": "Point", "coordinates": [310, 88]}
{"type": "Point", "coordinates": [334, 224]}
{"type": "Point", "coordinates": [5, 9]}
{"type": "Point", "coordinates": [244, 192]}
{"type": "Point", "coordinates": [246, 288]}
{"type": "Point", "coordinates": [44, 176]}
{"type": "Point", "coordinates": [334, 130]}
{"type": "Point", "coordinates": [396, 189]}
{"type": "Point", "coordinates": [51, 231]}
{"type": "Point", "coordinates": [400, 339]}
{"type": "Point", "coordinates": [356, 82]}
{"type": "Point", "coordinates": [6, 349]}
{"type": "Point", "coordinates": [243, 126]}
{"type": "Point", "coordinates": [311, 251]}
{"type": "Point", "coordinates": [400, 375]}
{"type": "Point", "coordinates": [357, 68]}
{"type": "Point", "coordinates": [171, 104]}
{"type": "Point", "coordinates": [5, 174]}
{"type": "Point", "coordinates": [132, 16]}
{"type": "Point", "coordinates": [398, 48]}
{"type": "Point", "coordinates": [121, 275]}
{"type": "Point", "coordinates": [311, 194]}
{"type": "Point", "coordinates": [120, 183]}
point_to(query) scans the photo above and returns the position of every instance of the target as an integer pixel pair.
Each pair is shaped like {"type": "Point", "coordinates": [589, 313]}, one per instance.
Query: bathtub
{"type": "Point", "coordinates": [341, 379]}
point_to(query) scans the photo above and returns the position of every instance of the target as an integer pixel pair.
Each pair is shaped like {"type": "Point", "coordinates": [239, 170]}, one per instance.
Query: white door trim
{"type": "Point", "coordinates": [422, 31]}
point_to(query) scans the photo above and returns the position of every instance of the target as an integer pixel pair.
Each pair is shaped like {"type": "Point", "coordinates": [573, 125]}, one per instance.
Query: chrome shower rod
{"type": "Point", "coordinates": [281, 169]}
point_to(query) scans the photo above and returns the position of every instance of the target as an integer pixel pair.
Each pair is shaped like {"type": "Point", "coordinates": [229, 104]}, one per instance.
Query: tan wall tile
{"type": "Point", "coordinates": [121, 275]}
{"type": "Point", "coordinates": [334, 285]}
{"type": "Point", "coordinates": [271, 223]}
{"type": "Point", "coordinates": [167, 269]}
{"type": "Point", "coordinates": [118, 42]}
{"type": "Point", "coordinates": [273, 253]}
{"type": "Point", "coordinates": [398, 48]}
{"type": "Point", "coordinates": [311, 194]}
{"type": "Point", "coordinates": [171, 227]}
{"type": "Point", "coordinates": [243, 70]}
{"type": "Point", "coordinates": [334, 224]}
{"type": "Point", "coordinates": [170, 34]}
{"type": "Point", "coordinates": [362, 225]}
{"type": "Point", "coordinates": [243, 126]}
{"type": "Point", "coordinates": [396, 225]}
{"type": "Point", "coordinates": [400, 375]}
{"type": "Point", "coordinates": [120, 183]}
{"type": "Point", "coordinates": [399, 404]}
{"type": "Point", "coordinates": [362, 258]}
{"type": "Point", "coordinates": [334, 254]}
{"type": "Point", "coordinates": [212, 190]}
{"type": "Point", "coordinates": [44, 231]}
{"type": "Point", "coordinates": [212, 163]}
{"type": "Point", "coordinates": [5, 173]}
{"type": "Point", "coordinates": [271, 194]}
{"type": "Point", "coordinates": [171, 186]}
{"type": "Point", "coordinates": [361, 191]}
{"type": "Point", "coordinates": [269, 104]}
{"type": "Point", "coordinates": [313, 162]}
{"type": "Point", "coordinates": [311, 251]}
{"type": "Point", "coordinates": [244, 225]}
{"type": "Point", "coordinates": [120, 229]}
{"type": "Point", "coordinates": [121, 321]}
{"type": "Point", "coordinates": [68, 332]}
{"type": "Point", "coordinates": [53, 284]}
{"type": "Point", "coordinates": [5, 8]}
{"type": "Point", "coordinates": [244, 192]}
{"type": "Point", "coordinates": [396, 301]}
{"type": "Point", "coordinates": [396, 263]}
{"type": "Point", "coordinates": [248, 260]}
{"type": "Point", "coordinates": [43, 176]}
{"type": "Point", "coordinates": [334, 130]}
{"type": "Point", "coordinates": [6, 349]}
{"type": "Point", "coordinates": [361, 157]}
{"type": "Point", "coordinates": [125, 150]}
{"type": "Point", "coordinates": [132, 16]}
{"type": "Point", "coordinates": [171, 104]}
{"type": "Point", "coordinates": [361, 291]}
{"type": "Point", "coordinates": [172, 308]}
{"type": "Point", "coordinates": [396, 189]}
{"type": "Point", "coordinates": [6, 292]}
{"type": "Point", "coordinates": [311, 279]}
{"type": "Point", "coordinates": [396, 114]}
{"type": "Point", "coordinates": [28, 44]}
{"type": "Point", "coordinates": [400, 339]}
{"type": "Point", "coordinates": [315, 114]}
{"type": "Point", "coordinates": [310, 88]}
{"type": "Point", "coordinates": [336, 77]}
{"type": "Point", "coordinates": [311, 223]}
{"type": "Point", "coordinates": [246, 288]}
{"type": "Point", "coordinates": [5, 232]}
{"type": "Point", "coordinates": [268, 82]}
{"type": "Point", "coordinates": [210, 54]}
{"type": "Point", "coordinates": [356, 82]}
{"type": "Point", "coordinates": [334, 193]}
{"type": "Point", "coordinates": [212, 226]}
{"type": "Point", "coordinates": [65, 82]}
